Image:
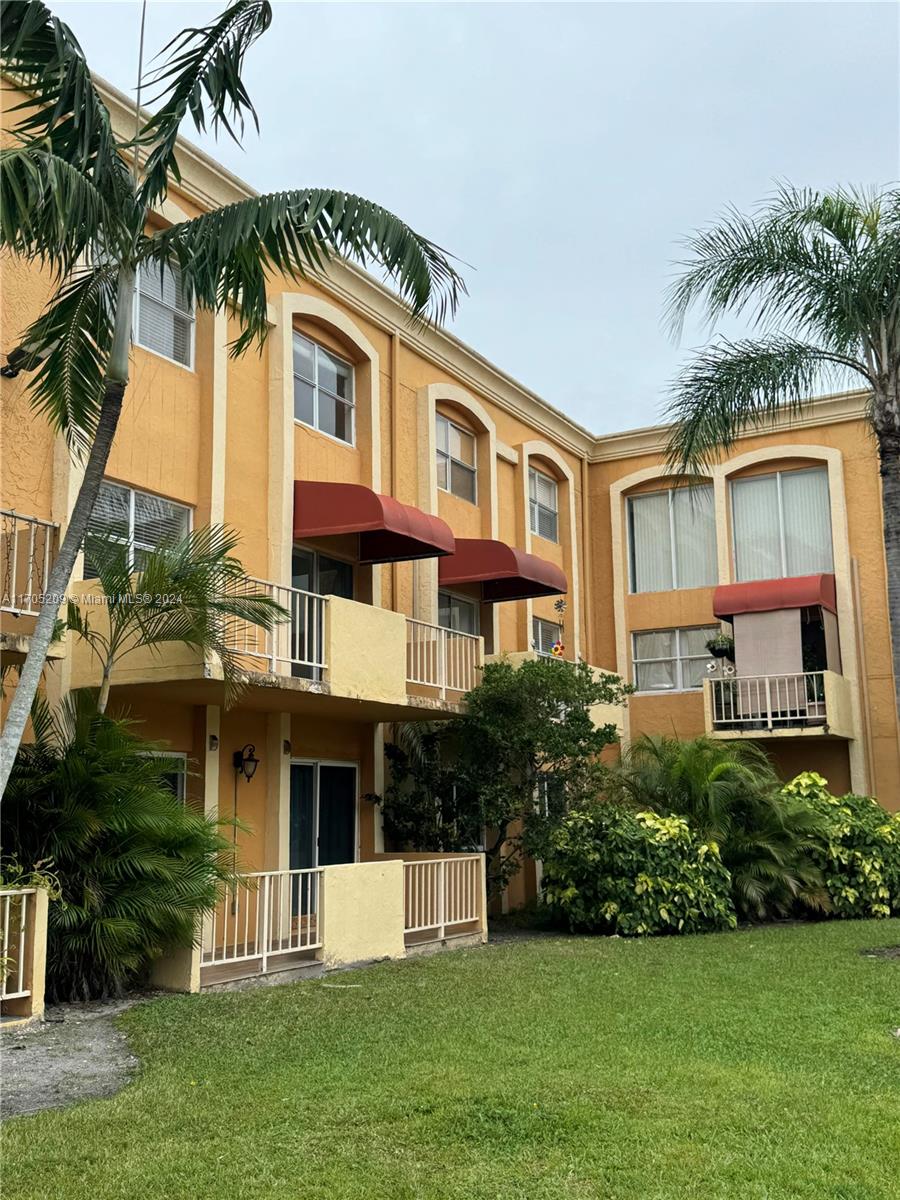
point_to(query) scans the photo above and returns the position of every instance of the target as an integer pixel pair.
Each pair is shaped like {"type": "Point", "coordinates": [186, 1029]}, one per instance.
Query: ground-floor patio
{"type": "Point", "coordinates": [758, 1064]}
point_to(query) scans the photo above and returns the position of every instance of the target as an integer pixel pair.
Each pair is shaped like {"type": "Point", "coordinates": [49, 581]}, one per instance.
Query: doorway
{"type": "Point", "coordinates": [323, 814]}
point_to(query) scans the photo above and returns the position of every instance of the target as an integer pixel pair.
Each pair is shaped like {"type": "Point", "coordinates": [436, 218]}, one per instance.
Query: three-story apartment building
{"type": "Point", "coordinates": [416, 509]}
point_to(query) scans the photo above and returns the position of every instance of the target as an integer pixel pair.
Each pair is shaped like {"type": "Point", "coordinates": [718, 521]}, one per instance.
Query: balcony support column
{"type": "Point", "coordinates": [278, 798]}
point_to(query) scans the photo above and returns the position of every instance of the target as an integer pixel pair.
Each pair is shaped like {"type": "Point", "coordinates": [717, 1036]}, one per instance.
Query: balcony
{"type": "Point", "coordinates": [393, 905]}
{"type": "Point", "coordinates": [363, 661]}
{"type": "Point", "coordinates": [27, 548]}
{"type": "Point", "coordinates": [813, 703]}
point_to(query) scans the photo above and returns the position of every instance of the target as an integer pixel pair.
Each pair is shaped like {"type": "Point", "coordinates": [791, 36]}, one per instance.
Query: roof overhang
{"type": "Point", "coordinates": [388, 530]}
{"type": "Point", "coordinates": [768, 595]}
{"type": "Point", "coordinates": [503, 572]}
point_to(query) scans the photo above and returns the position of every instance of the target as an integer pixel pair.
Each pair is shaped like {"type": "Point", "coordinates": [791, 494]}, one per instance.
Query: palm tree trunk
{"type": "Point", "coordinates": [57, 582]}
{"type": "Point", "coordinates": [103, 694]}
{"type": "Point", "coordinates": [887, 429]}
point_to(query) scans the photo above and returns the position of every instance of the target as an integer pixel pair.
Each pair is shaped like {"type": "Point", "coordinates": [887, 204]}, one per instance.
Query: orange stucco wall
{"type": "Point", "coordinates": [167, 444]}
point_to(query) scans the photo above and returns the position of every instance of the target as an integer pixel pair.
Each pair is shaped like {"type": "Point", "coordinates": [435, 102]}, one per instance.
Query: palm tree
{"type": "Point", "coordinates": [192, 590]}
{"type": "Point", "coordinates": [136, 865]}
{"type": "Point", "coordinates": [75, 198]}
{"type": "Point", "coordinates": [820, 275]}
{"type": "Point", "coordinates": [730, 794]}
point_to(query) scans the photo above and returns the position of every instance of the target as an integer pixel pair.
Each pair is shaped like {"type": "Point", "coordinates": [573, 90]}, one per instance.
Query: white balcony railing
{"type": "Point", "coordinates": [769, 701]}
{"type": "Point", "coordinates": [296, 644]}
{"type": "Point", "coordinates": [442, 894]}
{"type": "Point", "coordinates": [14, 948]}
{"type": "Point", "coordinates": [27, 547]}
{"type": "Point", "coordinates": [268, 915]}
{"type": "Point", "coordinates": [441, 658]}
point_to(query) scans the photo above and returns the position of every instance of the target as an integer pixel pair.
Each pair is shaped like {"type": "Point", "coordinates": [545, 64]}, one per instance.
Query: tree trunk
{"type": "Point", "coordinates": [887, 429]}
{"type": "Point", "coordinates": [57, 582]}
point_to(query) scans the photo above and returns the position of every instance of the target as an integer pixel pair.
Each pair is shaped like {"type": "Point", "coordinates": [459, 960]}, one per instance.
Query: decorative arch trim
{"type": "Point", "coordinates": [427, 399]}
{"type": "Point", "coordinates": [281, 310]}
{"type": "Point", "coordinates": [543, 450]}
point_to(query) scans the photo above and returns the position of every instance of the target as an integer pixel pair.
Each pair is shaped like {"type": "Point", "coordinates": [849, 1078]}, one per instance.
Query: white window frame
{"type": "Point", "coordinates": [670, 492]}
{"type": "Point", "coordinates": [536, 624]}
{"type": "Point", "coordinates": [469, 601]}
{"type": "Point", "coordinates": [782, 546]}
{"type": "Point", "coordinates": [189, 316]}
{"type": "Point", "coordinates": [445, 454]}
{"type": "Point", "coordinates": [129, 541]}
{"type": "Point", "coordinates": [678, 658]}
{"type": "Point", "coordinates": [535, 506]}
{"type": "Point", "coordinates": [181, 755]}
{"type": "Point", "coordinates": [316, 387]}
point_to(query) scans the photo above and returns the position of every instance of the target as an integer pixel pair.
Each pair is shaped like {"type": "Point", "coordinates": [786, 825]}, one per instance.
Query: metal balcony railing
{"type": "Point", "coordinates": [298, 643]}
{"type": "Point", "coordinates": [27, 549]}
{"type": "Point", "coordinates": [440, 658]}
{"type": "Point", "coordinates": [769, 701]}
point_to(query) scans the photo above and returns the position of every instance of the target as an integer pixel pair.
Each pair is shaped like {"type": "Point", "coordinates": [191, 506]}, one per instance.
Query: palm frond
{"type": "Point", "coordinates": [731, 386]}
{"type": "Point", "coordinates": [225, 256]}
{"type": "Point", "coordinates": [69, 344]}
{"type": "Point", "coordinates": [203, 71]}
{"type": "Point", "coordinates": [49, 209]}
{"type": "Point", "coordinates": [63, 109]}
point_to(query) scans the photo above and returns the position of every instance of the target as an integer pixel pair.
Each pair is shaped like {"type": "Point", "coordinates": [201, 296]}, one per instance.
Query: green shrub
{"type": "Point", "coordinates": [134, 865]}
{"type": "Point", "coordinates": [859, 855]}
{"type": "Point", "coordinates": [730, 795]}
{"type": "Point", "coordinates": [614, 870]}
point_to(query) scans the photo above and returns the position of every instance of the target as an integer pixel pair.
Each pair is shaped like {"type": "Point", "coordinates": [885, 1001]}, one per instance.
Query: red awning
{"type": "Point", "coordinates": [503, 572]}
{"type": "Point", "coordinates": [767, 595]}
{"type": "Point", "coordinates": [388, 530]}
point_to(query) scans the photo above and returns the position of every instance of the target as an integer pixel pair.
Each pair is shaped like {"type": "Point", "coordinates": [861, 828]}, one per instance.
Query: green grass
{"type": "Point", "coordinates": [757, 1065]}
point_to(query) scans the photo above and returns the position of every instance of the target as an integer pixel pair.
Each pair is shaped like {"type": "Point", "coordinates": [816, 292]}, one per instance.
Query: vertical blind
{"type": "Point", "coordinates": [672, 539]}
{"type": "Point", "coordinates": [782, 524]}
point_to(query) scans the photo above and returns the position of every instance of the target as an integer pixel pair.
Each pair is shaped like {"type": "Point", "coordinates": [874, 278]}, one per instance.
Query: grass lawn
{"type": "Point", "coordinates": [754, 1066]}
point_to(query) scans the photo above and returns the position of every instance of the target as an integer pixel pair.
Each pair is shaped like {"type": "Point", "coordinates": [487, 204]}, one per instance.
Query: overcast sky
{"type": "Point", "coordinates": [560, 149]}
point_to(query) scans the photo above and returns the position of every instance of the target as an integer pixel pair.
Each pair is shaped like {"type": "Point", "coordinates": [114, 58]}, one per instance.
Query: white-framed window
{"type": "Point", "coordinates": [457, 612]}
{"type": "Point", "coordinates": [543, 505]}
{"type": "Point", "coordinates": [671, 660]}
{"type": "Point", "coordinates": [323, 390]}
{"type": "Point", "coordinates": [781, 524]}
{"type": "Point", "coordinates": [456, 471]}
{"type": "Point", "coordinates": [164, 313]}
{"type": "Point", "coordinates": [176, 779]}
{"type": "Point", "coordinates": [672, 539]}
{"type": "Point", "coordinates": [139, 520]}
{"type": "Point", "coordinates": [545, 635]}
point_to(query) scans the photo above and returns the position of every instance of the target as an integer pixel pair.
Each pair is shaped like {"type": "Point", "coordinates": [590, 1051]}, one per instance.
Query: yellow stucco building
{"type": "Point", "coordinates": [417, 509]}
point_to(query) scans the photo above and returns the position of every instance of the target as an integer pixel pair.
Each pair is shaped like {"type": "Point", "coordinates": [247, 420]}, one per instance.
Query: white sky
{"type": "Point", "coordinates": [560, 149]}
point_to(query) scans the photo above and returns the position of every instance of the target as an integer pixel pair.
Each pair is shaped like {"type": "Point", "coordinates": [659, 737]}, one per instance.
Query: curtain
{"type": "Point", "coordinates": [655, 676]}
{"type": "Point", "coordinates": [807, 521]}
{"type": "Point", "coordinates": [695, 536]}
{"type": "Point", "coordinates": [651, 543]}
{"type": "Point", "coordinates": [757, 537]}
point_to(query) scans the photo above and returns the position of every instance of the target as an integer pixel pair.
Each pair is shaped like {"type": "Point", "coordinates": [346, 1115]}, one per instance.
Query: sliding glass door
{"type": "Point", "coordinates": [323, 814]}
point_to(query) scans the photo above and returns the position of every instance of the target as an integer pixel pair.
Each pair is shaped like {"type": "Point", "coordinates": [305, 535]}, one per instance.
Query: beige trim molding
{"type": "Point", "coordinates": [427, 399]}
{"type": "Point", "coordinates": [720, 475]}
{"type": "Point", "coordinates": [209, 185]}
{"type": "Point", "coordinates": [282, 310]}
{"type": "Point", "coordinates": [539, 449]}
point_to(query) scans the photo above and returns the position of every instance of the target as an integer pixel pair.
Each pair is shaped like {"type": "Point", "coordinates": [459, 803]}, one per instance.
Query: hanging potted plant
{"type": "Point", "coordinates": [721, 646]}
